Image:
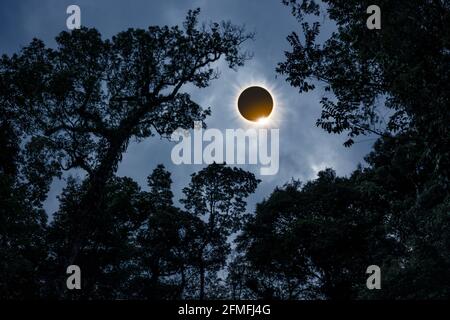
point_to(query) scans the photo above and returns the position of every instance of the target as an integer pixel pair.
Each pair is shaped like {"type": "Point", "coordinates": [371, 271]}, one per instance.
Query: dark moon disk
{"type": "Point", "coordinates": [255, 103]}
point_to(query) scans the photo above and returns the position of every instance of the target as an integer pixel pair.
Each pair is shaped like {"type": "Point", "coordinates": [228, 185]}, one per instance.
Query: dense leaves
{"type": "Point", "coordinates": [403, 67]}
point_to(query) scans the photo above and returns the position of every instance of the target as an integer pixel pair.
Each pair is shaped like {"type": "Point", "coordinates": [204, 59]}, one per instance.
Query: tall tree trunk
{"type": "Point", "coordinates": [92, 198]}
{"type": "Point", "coordinates": [182, 284]}
{"type": "Point", "coordinates": [202, 282]}
{"type": "Point", "coordinates": [90, 203]}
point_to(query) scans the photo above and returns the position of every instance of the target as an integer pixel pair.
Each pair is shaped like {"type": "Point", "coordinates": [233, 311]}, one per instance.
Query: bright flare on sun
{"type": "Point", "coordinates": [263, 120]}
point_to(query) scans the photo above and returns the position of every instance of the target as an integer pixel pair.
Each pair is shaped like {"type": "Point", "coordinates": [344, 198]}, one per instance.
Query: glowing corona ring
{"type": "Point", "coordinates": [262, 104]}
{"type": "Point", "coordinates": [255, 104]}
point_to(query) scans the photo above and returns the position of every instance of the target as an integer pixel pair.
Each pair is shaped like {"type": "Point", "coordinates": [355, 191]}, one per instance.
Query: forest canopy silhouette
{"type": "Point", "coordinates": [77, 107]}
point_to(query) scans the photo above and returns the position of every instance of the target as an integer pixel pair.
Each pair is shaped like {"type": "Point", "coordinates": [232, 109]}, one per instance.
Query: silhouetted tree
{"type": "Point", "coordinates": [164, 242]}
{"type": "Point", "coordinates": [417, 217]}
{"type": "Point", "coordinates": [24, 183]}
{"type": "Point", "coordinates": [88, 97]}
{"type": "Point", "coordinates": [22, 241]}
{"type": "Point", "coordinates": [368, 71]}
{"type": "Point", "coordinates": [316, 240]}
{"type": "Point", "coordinates": [143, 247]}
{"type": "Point", "coordinates": [216, 194]}
{"type": "Point", "coordinates": [107, 255]}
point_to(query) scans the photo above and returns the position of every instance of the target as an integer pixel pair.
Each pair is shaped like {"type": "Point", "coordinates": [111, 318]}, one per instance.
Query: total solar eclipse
{"type": "Point", "coordinates": [255, 104]}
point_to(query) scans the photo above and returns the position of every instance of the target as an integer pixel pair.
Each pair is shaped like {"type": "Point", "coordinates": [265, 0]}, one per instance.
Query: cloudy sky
{"type": "Point", "coordinates": [304, 148]}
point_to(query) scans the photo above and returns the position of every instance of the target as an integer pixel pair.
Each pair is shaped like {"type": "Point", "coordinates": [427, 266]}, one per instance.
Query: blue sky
{"type": "Point", "coordinates": [304, 148]}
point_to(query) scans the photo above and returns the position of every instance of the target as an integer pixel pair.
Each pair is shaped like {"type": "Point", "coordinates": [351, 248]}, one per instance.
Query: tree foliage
{"type": "Point", "coordinates": [402, 67]}
{"type": "Point", "coordinates": [217, 195]}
